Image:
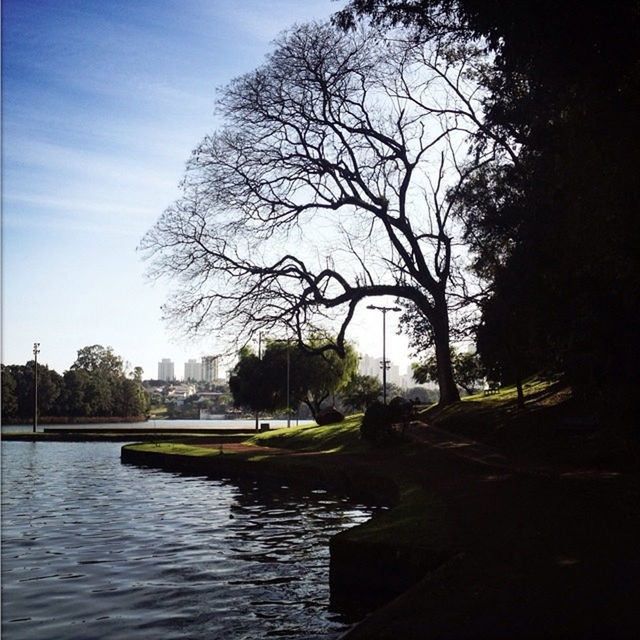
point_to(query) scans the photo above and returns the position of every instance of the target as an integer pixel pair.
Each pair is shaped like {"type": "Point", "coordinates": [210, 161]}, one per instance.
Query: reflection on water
{"type": "Point", "coordinates": [95, 549]}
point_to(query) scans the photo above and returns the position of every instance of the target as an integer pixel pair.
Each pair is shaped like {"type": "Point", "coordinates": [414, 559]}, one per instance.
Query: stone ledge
{"type": "Point", "coordinates": [364, 574]}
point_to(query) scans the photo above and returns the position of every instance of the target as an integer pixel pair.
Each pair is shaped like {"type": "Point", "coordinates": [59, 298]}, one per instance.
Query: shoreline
{"type": "Point", "coordinates": [370, 554]}
{"type": "Point", "coordinates": [477, 543]}
{"type": "Point", "coordinates": [473, 546]}
{"type": "Point", "coordinates": [47, 421]}
{"type": "Point", "coordinates": [208, 436]}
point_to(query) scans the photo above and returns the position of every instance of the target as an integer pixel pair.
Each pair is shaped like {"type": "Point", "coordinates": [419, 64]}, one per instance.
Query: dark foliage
{"type": "Point", "coordinates": [361, 391]}
{"type": "Point", "coordinates": [95, 386]}
{"type": "Point", "coordinates": [379, 418]}
{"type": "Point", "coordinates": [260, 384]}
{"type": "Point", "coordinates": [555, 227]}
{"type": "Point", "coordinates": [329, 415]}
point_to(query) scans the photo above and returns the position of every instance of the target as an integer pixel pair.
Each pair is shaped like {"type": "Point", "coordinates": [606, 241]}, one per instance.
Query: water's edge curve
{"type": "Point", "coordinates": [365, 573]}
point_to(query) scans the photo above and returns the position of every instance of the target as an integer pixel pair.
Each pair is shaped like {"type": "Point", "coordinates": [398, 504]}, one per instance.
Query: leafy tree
{"type": "Point", "coordinates": [101, 395]}
{"type": "Point", "coordinates": [319, 376]}
{"type": "Point", "coordinates": [261, 384]}
{"type": "Point", "coordinates": [74, 400]}
{"type": "Point", "coordinates": [97, 385]}
{"type": "Point", "coordinates": [49, 389]}
{"type": "Point", "coordinates": [357, 133]}
{"type": "Point", "coordinates": [361, 392]}
{"type": "Point", "coordinates": [422, 395]}
{"type": "Point", "coordinates": [250, 386]}
{"type": "Point", "coordinates": [9, 395]}
{"type": "Point", "coordinates": [133, 400]}
{"type": "Point", "coordinates": [467, 370]}
{"type": "Point", "coordinates": [99, 359]}
{"type": "Point", "coordinates": [554, 224]}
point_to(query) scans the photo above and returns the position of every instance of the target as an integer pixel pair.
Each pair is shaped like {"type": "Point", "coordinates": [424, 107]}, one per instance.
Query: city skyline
{"type": "Point", "coordinates": [193, 371]}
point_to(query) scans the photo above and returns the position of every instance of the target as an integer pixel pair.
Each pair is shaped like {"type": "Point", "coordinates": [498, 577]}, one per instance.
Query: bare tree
{"type": "Point", "coordinates": [332, 180]}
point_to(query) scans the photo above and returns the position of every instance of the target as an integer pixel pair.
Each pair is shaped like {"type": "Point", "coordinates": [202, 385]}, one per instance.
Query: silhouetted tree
{"type": "Point", "coordinates": [361, 392]}
{"type": "Point", "coordinates": [9, 395]}
{"type": "Point", "coordinates": [554, 226]}
{"type": "Point", "coordinates": [356, 133]}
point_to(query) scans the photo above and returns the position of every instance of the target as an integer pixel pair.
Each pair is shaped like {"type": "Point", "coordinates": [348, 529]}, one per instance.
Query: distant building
{"type": "Point", "coordinates": [209, 368]}
{"type": "Point", "coordinates": [193, 371]}
{"type": "Point", "coordinates": [370, 366]}
{"type": "Point", "coordinates": [393, 374]}
{"type": "Point", "coordinates": [166, 370]}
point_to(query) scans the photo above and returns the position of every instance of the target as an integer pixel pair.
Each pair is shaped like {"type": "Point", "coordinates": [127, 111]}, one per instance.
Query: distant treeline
{"type": "Point", "coordinates": [96, 386]}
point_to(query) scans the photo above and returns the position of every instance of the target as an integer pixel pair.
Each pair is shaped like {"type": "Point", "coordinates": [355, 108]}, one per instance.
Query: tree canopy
{"type": "Point", "coordinates": [287, 371]}
{"type": "Point", "coordinates": [95, 386]}
{"type": "Point", "coordinates": [361, 392]}
{"type": "Point", "coordinates": [467, 370]}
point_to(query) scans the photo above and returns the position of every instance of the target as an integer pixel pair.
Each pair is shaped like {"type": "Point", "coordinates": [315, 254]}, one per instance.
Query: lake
{"type": "Point", "coordinates": [92, 548]}
{"type": "Point", "coordinates": [177, 425]}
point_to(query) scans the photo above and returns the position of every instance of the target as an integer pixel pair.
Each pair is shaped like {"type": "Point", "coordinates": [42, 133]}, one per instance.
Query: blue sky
{"type": "Point", "coordinates": [103, 102]}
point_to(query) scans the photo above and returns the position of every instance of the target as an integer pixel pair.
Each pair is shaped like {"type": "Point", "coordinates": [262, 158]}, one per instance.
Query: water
{"type": "Point", "coordinates": [177, 425]}
{"type": "Point", "coordinates": [92, 548]}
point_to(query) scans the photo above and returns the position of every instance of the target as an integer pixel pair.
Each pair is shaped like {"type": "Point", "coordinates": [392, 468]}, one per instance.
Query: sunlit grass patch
{"type": "Point", "coordinates": [175, 448]}
{"type": "Point", "coordinates": [339, 437]}
{"type": "Point", "coordinates": [497, 418]}
{"type": "Point", "coordinates": [532, 388]}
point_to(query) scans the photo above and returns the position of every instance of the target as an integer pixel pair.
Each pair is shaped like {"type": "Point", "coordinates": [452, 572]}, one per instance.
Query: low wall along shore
{"type": "Point", "coordinates": [369, 564]}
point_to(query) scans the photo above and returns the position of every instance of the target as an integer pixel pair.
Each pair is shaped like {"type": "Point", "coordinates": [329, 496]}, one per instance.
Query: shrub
{"type": "Point", "coordinates": [401, 408]}
{"type": "Point", "coordinates": [376, 423]}
{"type": "Point", "coordinates": [329, 416]}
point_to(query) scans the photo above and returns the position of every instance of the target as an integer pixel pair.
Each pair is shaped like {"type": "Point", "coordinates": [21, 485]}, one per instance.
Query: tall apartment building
{"type": "Point", "coordinates": [166, 370]}
{"type": "Point", "coordinates": [193, 371]}
{"type": "Point", "coordinates": [370, 366]}
{"type": "Point", "coordinates": [209, 368]}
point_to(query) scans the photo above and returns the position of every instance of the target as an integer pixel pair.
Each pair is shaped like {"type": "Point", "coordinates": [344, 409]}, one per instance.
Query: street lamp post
{"type": "Point", "coordinates": [385, 364]}
{"type": "Point", "coordinates": [36, 351]}
{"type": "Point", "coordinates": [259, 358]}
{"type": "Point", "coordinates": [288, 384]}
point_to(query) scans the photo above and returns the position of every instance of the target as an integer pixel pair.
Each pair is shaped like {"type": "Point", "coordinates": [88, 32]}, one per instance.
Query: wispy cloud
{"type": "Point", "coordinates": [263, 21]}
{"type": "Point", "coordinates": [102, 104]}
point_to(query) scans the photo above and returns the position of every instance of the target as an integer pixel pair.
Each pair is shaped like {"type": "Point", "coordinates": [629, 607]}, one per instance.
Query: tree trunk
{"type": "Point", "coordinates": [520, 392]}
{"type": "Point", "coordinates": [446, 384]}
{"type": "Point", "coordinates": [312, 407]}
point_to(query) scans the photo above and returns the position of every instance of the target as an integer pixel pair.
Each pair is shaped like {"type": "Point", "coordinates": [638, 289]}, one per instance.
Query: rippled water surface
{"type": "Point", "coordinates": [92, 548]}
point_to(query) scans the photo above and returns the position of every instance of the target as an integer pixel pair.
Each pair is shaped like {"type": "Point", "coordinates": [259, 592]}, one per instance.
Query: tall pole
{"type": "Point", "coordinates": [259, 358]}
{"type": "Point", "coordinates": [384, 356]}
{"type": "Point", "coordinates": [288, 385]}
{"type": "Point", "coordinates": [384, 346]}
{"type": "Point", "coordinates": [36, 351]}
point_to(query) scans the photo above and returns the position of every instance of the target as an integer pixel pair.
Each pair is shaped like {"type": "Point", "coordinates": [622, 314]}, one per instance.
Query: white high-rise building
{"type": "Point", "coordinates": [192, 371]}
{"type": "Point", "coordinates": [209, 368]}
{"type": "Point", "coordinates": [370, 366]}
{"type": "Point", "coordinates": [393, 374]}
{"type": "Point", "coordinates": [166, 370]}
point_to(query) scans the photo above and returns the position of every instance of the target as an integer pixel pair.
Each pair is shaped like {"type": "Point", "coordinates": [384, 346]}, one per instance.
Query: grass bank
{"type": "Point", "coordinates": [388, 553]}
{"type": "Point", "coordinates": [475, 548]}
{"type": "Point", "coordinates": [553, 428]}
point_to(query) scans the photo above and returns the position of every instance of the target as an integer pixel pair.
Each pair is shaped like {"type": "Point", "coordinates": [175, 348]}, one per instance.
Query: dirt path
{"type": "Point", "coordinates": [467, 448]}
